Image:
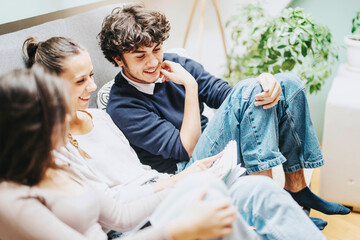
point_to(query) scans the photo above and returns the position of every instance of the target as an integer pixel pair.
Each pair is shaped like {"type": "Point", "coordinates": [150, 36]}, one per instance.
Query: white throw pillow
{"type": "Point", "coordinates": [103, 95]}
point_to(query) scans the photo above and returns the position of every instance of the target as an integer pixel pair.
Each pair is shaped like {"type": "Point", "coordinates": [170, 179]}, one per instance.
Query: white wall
{"type": "Point", "coordinates": [178, 12]}
{"type": "Point", "coordinates": [14, 10]}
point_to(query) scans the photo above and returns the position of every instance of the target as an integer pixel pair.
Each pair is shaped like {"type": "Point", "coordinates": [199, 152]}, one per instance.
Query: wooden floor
{"type": "Point", "coordinates": [339, 227]}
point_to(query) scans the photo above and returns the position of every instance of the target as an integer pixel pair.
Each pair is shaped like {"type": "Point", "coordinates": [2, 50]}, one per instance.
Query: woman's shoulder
{"type": "Point", "coordinates": [102, 117]}
{"type": "Point", "coordinates": [14, 197]}
{"type": "Point", "coordinates": [11, 190]}
{"type": "Point", "coordinates": [14, 201]}
{"type": "Point", "coordinates": [97, 112]}
{"type": "Point", "coordinates": [105, 125]}
{"type": "Point", "coordinates": [15, 193]}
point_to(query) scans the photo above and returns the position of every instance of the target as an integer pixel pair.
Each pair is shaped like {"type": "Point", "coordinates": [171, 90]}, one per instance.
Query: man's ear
{"type": "Point", "coordinates": [118, 61]}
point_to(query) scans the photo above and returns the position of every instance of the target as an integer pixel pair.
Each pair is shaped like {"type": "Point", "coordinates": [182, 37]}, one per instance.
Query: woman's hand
{"type": "Point", "coordinates": [204, 219]}
{"type": "Point", "coordinates": [198, 166]}
{"type": "Point", "coordinates": [271, 94]}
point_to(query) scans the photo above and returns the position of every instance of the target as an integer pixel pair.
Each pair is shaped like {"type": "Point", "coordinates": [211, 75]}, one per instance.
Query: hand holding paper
{"type": "Point", "coordinates": [227, 167]}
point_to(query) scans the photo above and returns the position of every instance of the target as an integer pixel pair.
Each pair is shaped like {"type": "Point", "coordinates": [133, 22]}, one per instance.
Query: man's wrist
{"type": "Point", "coordinates": [191, 84]}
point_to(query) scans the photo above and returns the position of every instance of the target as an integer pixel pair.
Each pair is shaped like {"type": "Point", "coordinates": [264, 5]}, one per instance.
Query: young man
{"type": "Point", "coordinates": [162, 117]}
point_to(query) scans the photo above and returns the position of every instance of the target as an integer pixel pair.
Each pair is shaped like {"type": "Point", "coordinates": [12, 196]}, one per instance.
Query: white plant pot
{"type": "Point", "coordinates": [353, 52]}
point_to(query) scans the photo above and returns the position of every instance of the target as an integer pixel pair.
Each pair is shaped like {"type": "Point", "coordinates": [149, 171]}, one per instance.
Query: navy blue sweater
{"type": "Point", "coordinates": [152, 123]}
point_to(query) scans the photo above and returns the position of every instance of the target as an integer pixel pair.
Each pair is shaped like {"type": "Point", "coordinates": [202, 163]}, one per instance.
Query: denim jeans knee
{"type": "Point", "coordinates": [265, 138]}
{"type": "Point", "coordinates": [297, 141]}
{"type": "Point", "coordinates": [253, 128]}
{"type": "Point", "coordinates": [275, 215]}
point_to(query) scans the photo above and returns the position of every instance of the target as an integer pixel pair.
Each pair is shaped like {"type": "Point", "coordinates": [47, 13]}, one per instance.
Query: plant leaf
{"type": "Point", "coordinates": [292, 41]}
{"type": "Point", "coordinates": [288, 64]}
{"type": "Point", "coordinates": [287, 54]}
{"type": "Point", "coordinates": [312, 88]}
{"type": "Point", "coordinates": [272, 61]}
{"type": "Point", "coordinates": [303, 50]}
{"type": "Point", "coordinates": [276, 69]}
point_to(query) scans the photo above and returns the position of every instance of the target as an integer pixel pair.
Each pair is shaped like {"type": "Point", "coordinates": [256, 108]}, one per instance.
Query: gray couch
{"type": "Point", "coordinates": [83, 28]}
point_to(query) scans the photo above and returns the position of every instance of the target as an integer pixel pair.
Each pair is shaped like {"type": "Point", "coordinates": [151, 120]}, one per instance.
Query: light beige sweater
{"type": "Point", "coordinates": [34, 213]}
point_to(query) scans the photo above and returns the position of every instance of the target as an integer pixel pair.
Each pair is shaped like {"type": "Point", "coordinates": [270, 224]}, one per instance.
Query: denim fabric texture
{"type": "Point", "coordinates": [271, 210]}
{"type": "Point", "coordinates": [259, 201]}
{"type": "Point", "coordinates": [283, 134]}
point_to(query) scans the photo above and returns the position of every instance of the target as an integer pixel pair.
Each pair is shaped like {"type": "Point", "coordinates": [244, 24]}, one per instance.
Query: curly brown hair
{"type": "Point", "coordinates": [129, 28]}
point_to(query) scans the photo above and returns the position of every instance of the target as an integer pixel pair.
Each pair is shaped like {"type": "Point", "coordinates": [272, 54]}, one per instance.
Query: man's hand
{"type": "Point", "coordinates": [271, 94]}
{"type": "Point", "coordinates": [176, 73]}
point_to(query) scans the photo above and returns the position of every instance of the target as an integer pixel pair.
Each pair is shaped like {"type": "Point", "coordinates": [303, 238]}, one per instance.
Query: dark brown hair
{"type": "Point", "coordinates": [129, 28]}
{"type": "Point", "coordinates": [51, 53]}
{"type": "Point", "coordinates": [32, 106]}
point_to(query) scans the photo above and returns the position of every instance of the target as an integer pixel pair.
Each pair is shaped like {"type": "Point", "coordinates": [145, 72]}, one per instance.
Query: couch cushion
{"type": "Point", "coordinates": [11, 43]}
{"type": "Point", "coordinates": [83, 28]}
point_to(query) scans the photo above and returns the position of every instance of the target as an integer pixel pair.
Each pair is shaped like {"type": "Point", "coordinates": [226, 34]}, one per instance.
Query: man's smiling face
{"type": "Point", "coordinates": [142, 65]}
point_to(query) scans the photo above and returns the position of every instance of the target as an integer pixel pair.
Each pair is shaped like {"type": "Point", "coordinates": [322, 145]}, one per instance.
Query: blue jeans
{"type": "Point", "coordinates": [283, 134]}
{"type": "Point", "coordinates": [259, 201]}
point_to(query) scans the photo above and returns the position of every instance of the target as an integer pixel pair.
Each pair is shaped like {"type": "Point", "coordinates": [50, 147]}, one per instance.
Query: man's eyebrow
{"type": "Point", "coordinates": [139, 51]}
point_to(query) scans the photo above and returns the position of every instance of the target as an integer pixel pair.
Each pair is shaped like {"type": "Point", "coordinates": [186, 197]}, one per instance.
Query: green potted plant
{"type": "Point", "coordinates": [353, 45]}
{"type": "Point", "coordinates": [292, 41]}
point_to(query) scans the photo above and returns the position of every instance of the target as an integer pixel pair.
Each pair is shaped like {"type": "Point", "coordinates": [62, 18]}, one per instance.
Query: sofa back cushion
{"type": "Point", "coordinates": [82, 28]}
